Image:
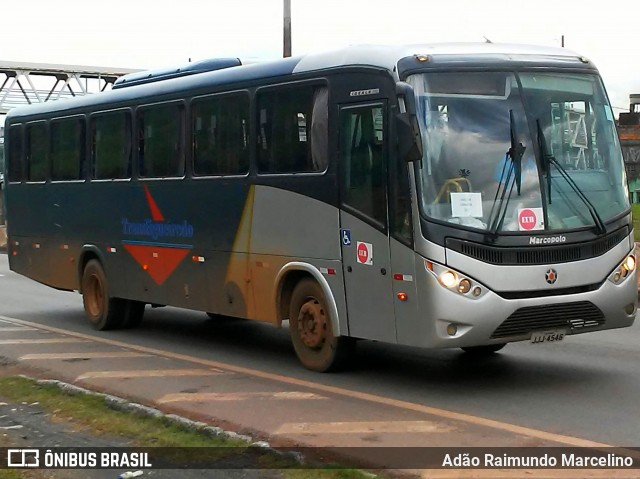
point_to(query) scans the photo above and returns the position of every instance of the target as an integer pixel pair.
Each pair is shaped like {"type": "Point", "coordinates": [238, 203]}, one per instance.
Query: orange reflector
{"type": "Point", "coordinates": [145, 267]}
{"type": "Point", "coordinates": [402, 296]}
{"type": "Point", "coordinates": [15, 253]}
{"type": "Point", "coordinates": [429, 265]}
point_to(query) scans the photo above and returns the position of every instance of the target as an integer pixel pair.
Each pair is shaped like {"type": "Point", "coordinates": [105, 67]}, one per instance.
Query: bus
{"type": "Point", "coordinates": [434, 196]}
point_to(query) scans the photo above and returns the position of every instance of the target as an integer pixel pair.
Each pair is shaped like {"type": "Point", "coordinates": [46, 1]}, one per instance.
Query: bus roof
{"type": "Point", "coordinates": [378, 56]}
{"type": "Point", "coordinates": [387, 56]}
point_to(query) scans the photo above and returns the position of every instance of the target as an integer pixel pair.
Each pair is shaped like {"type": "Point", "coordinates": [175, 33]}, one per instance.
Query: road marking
{"type": "Point", "coordinates": [150, 373]}
{"type": "Point", "coordinates": [9, 329]}
{"type": "Point", "coordinates": [94, 355]}
{"type": "Point", "coordinates": [43, 341]}
{"type": "Point", "coordinates": [205, 397]}
{"type": "Point", "coordinates": [362, 427]}
{"type": "Point", "coordinates": [324, 388]}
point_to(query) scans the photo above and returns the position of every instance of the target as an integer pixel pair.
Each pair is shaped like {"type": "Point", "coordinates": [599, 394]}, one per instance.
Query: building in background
{"type": "Point", "coordinates": [629, 130]}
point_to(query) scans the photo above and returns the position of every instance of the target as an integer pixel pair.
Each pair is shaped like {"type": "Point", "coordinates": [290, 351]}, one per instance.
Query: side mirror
{"type": "Point", "coordinates": [409, 139]}
{"type": "Point", "coordinates": [407, 127]}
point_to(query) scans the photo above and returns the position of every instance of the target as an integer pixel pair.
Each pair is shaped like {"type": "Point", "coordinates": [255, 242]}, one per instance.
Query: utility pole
{"type": "Point", "coordinates": [287, 29]}
{"type": "Point", "coordinates": [562, 41]}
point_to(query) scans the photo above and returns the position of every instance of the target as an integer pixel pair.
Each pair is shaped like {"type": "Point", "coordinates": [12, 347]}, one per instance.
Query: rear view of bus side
{"type": "Point", "coordinates": [436, 196]}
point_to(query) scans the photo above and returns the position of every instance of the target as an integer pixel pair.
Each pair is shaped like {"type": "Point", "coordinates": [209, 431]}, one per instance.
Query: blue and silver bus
{"type": "Point", "coordinates": [436, 196]}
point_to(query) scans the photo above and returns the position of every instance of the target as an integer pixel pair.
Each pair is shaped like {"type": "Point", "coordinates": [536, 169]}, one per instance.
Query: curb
{"type": "Point", "coordinates": [120, 404]}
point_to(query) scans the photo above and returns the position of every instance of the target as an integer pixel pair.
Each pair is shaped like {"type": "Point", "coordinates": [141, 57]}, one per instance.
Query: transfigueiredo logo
{"type": "Point", "coordinates": [155, 230]}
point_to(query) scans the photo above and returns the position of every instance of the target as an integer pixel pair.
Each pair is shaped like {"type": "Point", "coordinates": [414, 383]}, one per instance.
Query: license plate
{"type": "Point", "coordinates": [548, 336]}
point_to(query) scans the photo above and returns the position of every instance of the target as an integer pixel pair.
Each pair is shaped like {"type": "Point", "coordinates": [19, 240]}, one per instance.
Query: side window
{"type": "Point", "coordinates": [363, 161]}
{"type": "Point", "coordinates": [37, 164]}
{"type": "Point", "coordinates": [220, 128]}
{"type": "Point", "coordinates": [285, 121]}
{"type": "Point", "coordinates": [16, 166]}
{"type": "Point", "coordinates": [160, 152]}
{"type": "Point", "coordinates": [67, 147]}
{"type": "Point", "coordinates": [111, 146]}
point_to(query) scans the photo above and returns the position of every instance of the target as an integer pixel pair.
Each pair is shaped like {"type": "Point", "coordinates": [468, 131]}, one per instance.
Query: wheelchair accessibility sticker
{"type": "Point", "coordinates": [346, 237]}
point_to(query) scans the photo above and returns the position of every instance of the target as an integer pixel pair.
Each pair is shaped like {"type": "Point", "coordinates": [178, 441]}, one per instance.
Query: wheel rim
{"type": "Point", "coordinates": [94, 295]}
{"type": "Point", "coordinates": [312, 324]}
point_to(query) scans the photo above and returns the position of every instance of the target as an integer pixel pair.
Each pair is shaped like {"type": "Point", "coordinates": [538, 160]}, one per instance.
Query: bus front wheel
{"type": "Point", "coordinates": [102, 311]}
{"type": "Point", "coordinates": [311, 330]}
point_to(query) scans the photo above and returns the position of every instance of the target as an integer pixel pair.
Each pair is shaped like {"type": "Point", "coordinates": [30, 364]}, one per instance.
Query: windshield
{"type": "Point", "coordinates": [1, 160]}
{"type": "Point", "coordinates": [486, 166]}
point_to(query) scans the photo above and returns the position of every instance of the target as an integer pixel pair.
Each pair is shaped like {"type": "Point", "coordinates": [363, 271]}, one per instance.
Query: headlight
{"type": "Point", "coordinates": [623, 270]}
{"type": "Point", "coordinates": [464, 286]}
{"type": "Point", "coordinates": [630, 263]}
{"type": "Point", "coordinates": [448, 279]}
{"type": "Point", "coordinates": [454, 281]}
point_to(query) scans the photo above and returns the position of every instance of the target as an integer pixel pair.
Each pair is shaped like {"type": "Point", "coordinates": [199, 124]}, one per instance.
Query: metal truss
{"type": "Point", "coordinates": [28, 83]}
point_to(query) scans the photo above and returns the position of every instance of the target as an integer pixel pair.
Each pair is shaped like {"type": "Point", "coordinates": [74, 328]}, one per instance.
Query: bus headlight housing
{"type": "Point", "coordinates": [448, 279]}
{"type": "Point", "coordinates": [455, 281]}
{"type": "Point", "coordinates": [623, 270]}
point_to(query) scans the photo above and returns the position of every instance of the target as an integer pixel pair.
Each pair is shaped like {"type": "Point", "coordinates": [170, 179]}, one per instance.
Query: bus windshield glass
{"type": "Point", "coordinates": [506, 151]}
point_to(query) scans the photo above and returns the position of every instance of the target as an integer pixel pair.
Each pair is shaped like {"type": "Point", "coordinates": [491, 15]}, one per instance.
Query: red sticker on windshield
{"type": "Point", "coordinates": [530, 219]}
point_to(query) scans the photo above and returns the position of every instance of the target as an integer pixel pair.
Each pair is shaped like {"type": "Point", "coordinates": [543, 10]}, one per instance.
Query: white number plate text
{"type": "Point", "coordinates": [548, 336]}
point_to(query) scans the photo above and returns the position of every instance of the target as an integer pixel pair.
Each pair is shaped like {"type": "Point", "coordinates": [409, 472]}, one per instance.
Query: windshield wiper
{"type": "Point", "coordinates": [547, 161]}
{"type": "Point", "coordinates": [515, 154]}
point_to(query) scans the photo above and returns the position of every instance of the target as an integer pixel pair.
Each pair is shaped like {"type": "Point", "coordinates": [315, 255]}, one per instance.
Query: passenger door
{"type": "Point", "coordinates": [363, 219]}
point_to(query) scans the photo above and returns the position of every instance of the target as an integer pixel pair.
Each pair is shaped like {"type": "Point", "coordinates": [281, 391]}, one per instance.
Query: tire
{"type": "Point", "coordinates": [102, 311]}
{"type": "Point", "coordinates": [311, 330]}
{"type": "Point", "coordinates": [486, 350]}
{"type": "Point", "coordinates": [221, 317]}
{"type": "Point", "coordinates": [133, 314]}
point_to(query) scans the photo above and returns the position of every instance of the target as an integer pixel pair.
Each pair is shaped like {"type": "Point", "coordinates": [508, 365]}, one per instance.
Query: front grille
{"type": "Point", "coordinates": [537, 254]}
{"type": "Point", "coordinates": [545, 293]}
{"type": "Point", "coordinates": [574, 316]}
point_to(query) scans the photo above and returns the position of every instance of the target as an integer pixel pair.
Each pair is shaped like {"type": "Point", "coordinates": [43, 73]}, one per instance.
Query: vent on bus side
{"type": "Point", "coordinates": [140, 78]}
{"type": "Point", "coordinates": [537, 254]}
{"type": "Point", "coordinates": [571, 316]}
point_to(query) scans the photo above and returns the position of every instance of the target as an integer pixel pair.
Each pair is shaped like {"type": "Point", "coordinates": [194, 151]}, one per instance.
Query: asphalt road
{"type": "Point", "coordinates": [587, 386]}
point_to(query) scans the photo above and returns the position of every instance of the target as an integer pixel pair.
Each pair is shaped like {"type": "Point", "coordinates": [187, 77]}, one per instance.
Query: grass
{"type": "Point", "coordinates": [635, 209]}
{"type": "Point", "coordinates": [90, 414]}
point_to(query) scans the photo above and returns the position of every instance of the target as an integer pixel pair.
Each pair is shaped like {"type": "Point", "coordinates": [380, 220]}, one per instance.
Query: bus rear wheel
{"type": "Point", "coordinates": [133, 313]}
{"type": "Point", "coordinates": [102, 311]}
{"type": "Point", "coordinates": [312, 332]}
{"type": "Point", "coordinates": [486, 350]}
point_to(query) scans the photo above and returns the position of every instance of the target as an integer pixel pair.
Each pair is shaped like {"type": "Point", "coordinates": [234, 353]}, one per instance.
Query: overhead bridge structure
{"type": "Point", "coordinates": [27, 83]}
{"type": "Point", "coordinates": [24, 83]}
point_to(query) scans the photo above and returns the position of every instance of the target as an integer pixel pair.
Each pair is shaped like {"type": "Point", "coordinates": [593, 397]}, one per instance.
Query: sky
{"type": "Point", "coordinates": [152, 34]}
